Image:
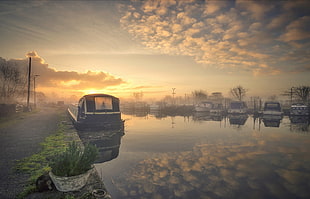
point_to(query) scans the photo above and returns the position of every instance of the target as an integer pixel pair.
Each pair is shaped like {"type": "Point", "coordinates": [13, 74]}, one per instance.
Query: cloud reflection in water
{"type": "Point", "coordinates": [264, 167]}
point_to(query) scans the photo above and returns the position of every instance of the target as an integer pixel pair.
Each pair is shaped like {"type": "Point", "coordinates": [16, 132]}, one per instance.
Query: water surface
{"type": "Point", "coordinates": [210, 157]}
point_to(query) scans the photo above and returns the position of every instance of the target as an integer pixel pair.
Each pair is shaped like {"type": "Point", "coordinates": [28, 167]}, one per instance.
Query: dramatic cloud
{"type": "Point", "coordinates": [51, 79]}
{"type": "Point", "coordinates": [252, 35]}
{"type": "Point", "coordinates": [297, 30]}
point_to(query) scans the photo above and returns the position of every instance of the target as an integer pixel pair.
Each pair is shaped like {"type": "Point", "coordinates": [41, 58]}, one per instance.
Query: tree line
{"type": "Point", "coordinates": [296, 94]}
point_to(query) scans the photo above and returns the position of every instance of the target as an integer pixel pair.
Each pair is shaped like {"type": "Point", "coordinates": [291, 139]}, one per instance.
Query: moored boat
{"type": "Point", "coordinates": [272, 108]}
{"type": "Point", "coordinates": [96, 111]}
{"type": "Point", "coordinates": [204, 106]}
{"type": "Point", "coordinates": [237, 107]}
{"type": "Point", "coordinates": [299, 110]}
{"type": "Point", "coordinates": [217, 109]}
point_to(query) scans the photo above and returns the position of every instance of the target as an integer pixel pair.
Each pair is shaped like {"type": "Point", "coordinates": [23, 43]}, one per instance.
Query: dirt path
{"type": "Point", "coordinates": [19, 140]}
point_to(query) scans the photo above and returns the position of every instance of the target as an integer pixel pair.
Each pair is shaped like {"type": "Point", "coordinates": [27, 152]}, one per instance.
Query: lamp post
{"type": "Point", "coordinates": [173, 93]}
{"type": "Point", "coordinates": [292, 90]}
{"type": "Point", "coordinates": [28, 93]}
{"type": "Point", "coordinates": [34, 91]}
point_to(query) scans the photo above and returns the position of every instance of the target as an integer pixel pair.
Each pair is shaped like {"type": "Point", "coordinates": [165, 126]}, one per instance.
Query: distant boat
{"type": "Point", "coordinates": [96, 111]}
{"type": "Point", "coordinates": [237, 107]}
{"type": "Point", "coordinates": [217, 110]}
{"type": "Point", "coordinates": [154, 108]}
{"type": "Point", "coordinates": [299, 110]}
{"type": "Point", "coordinates": [204, 106]}
{"type": "Point", "coordinates": [273, 109]}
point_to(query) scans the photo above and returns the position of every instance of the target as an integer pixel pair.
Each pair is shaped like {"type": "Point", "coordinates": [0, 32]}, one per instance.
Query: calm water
{"type": "Point", "coordinates": [208, 157]}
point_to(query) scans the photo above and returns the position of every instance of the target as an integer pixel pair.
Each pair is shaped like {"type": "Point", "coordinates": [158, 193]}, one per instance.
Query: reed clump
{"type": "Point", "coordinates": [75, 160]}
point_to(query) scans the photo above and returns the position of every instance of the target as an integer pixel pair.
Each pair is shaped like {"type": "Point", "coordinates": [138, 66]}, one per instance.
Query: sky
{"type": "Point", "coordinates": [152, 46]}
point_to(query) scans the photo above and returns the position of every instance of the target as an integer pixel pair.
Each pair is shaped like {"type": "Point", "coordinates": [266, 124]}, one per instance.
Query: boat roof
{"type": "Point", "coordinates": [206, 102]}
{"type": "Point", "coordinates": [99, 95]}
{"type": "Point", "coordinates": [237, 102]}
{"type": "Point", "coordinates": [299, 105]}
{"type": "Point", "coordinates": [272, 102]}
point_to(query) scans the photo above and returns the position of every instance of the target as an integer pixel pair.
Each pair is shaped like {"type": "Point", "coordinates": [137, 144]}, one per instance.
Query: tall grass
{"type": "Point", "coordinates": [74, 160]}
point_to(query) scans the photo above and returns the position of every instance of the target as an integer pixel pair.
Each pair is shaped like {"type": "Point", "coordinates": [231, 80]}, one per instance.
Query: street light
{"type": "Point", "coordinates": [173, 93]}
{"type": "Point", "coordinates": [28, 92]}
{"type": "Point", "coordinates": [34, 91]}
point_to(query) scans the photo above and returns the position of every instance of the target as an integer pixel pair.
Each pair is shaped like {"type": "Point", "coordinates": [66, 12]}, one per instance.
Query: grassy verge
{"type": "Point", "coordinates": [37, 164]}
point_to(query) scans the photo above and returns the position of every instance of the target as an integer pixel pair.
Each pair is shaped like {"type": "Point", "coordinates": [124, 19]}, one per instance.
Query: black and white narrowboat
{"type": "Point", "coordinates": [96, 111]}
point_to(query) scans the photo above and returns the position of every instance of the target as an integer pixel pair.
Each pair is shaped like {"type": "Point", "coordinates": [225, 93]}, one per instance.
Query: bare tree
{"type": "Point", "coordinates": [199, 95]}
{"type": "Point", "coordinates": [298, 94]}
{"type": "Point", "coordinates": [272, 98]}
{"type": "Point", "coordinates": [238, 92]}
{"type": "Point", "coordinates": [301, 93]}
{"type": "Point", "coordinates": [167, 100]}
{"type": "Point", "coordinates": [138, 95]}
{"type": "Point", "coordinates": [11, 81]}
{"type": "Point", "coordinates": [41, 97]}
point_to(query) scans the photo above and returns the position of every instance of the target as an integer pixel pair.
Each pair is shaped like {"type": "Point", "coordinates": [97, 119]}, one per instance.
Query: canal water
{"type": "Point", "coordinates": [201, 156]}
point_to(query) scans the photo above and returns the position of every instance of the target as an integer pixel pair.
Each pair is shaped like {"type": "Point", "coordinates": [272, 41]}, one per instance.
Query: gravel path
{"type": "Point", "coordinates": [19, 140]}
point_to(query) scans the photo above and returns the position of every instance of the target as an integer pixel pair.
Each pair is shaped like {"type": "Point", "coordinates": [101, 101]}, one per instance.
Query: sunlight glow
{"type": "Point", "coordinates": [93, 91]}
{"type": "Point", "coordinates": [152, 46]}
{"type": "Point", "coordinates": [70, 83]}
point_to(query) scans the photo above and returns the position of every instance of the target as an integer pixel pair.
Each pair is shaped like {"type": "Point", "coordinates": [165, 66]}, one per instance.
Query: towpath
{"type": "Point", "coordinates": [21, 139]}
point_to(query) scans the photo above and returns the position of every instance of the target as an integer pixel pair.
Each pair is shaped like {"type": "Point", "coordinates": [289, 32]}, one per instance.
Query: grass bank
{"type": "Point", "coordinates": [37, 164]}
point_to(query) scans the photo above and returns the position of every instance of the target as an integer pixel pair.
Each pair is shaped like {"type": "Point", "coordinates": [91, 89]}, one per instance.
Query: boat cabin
{"type": "Point", "coordinates": [217, 109]}
{"type": "Point", "coordinates": [272, 108]}
{"type": "Point", "coordinates": [299, 110]}
{"type": "Point", "coordinates": [204, 106]}
{"type": "Point", "coordinates": [96, 111]}
{"type": "Point", "coordinates": [237, 107]}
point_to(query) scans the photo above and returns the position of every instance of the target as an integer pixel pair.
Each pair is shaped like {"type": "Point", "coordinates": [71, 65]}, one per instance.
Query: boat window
{"type": "Point", "coordinates": [90, 104]}
{"type": "Point", "coordinates": [235, 105]}
{"type": "Point", "coordinates": [103, 103]}
{"type": "Point", "coordinates": [272, 106]}
{"type": "Point", "coordinates": [206, 104]}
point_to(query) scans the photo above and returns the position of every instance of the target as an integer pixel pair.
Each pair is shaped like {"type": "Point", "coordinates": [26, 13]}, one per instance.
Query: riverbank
{"type": "Point", "coordinates": [94, 182]}
{"type": "Point", "coordinates": [24, 137]}
{"type": "Point", "coordinates": [21, 135]}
